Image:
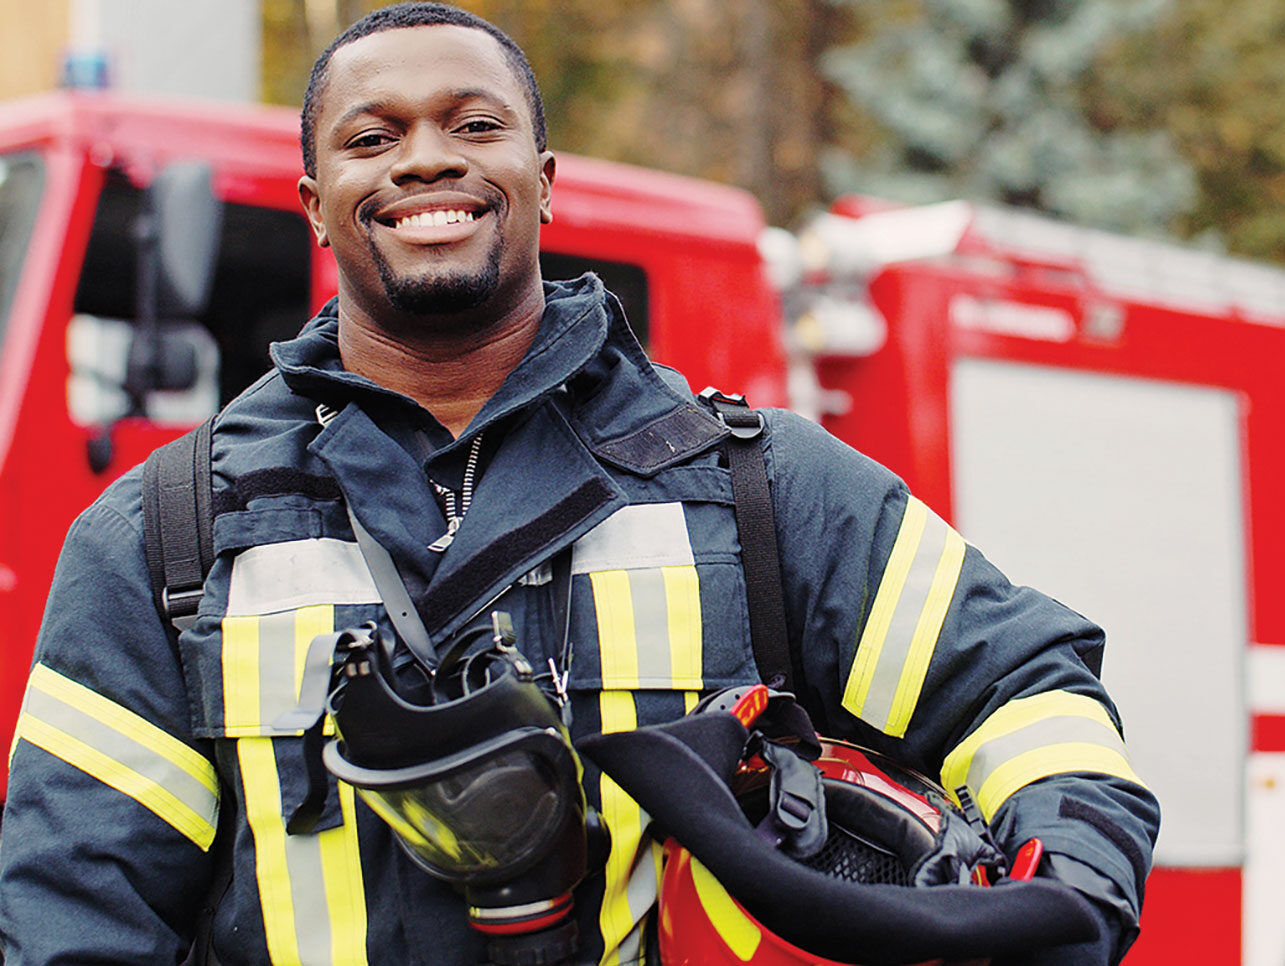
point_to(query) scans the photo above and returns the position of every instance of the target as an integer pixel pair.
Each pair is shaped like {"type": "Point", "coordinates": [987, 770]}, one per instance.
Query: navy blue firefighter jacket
{"type": "Point", "coordinates": [133, 752]}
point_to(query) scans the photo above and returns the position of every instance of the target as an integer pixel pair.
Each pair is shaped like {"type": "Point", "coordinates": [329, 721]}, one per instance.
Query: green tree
{"type": "Point", "coordinates": [1212, 74]}
{"type": "Point", "coordinates": [986, 99]}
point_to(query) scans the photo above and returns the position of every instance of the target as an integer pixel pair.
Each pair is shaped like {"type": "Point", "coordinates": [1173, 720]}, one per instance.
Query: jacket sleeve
{"type": "Point", "coordinates": [909, 640]}
{"type": "Point", "coordinates": [112, 807]}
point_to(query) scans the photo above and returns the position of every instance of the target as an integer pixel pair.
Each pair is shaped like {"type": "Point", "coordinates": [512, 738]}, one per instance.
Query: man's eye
{"type": "Point", "coordinates": [372, 140]}
{"type": "Point", "coordinates": [479, 126]}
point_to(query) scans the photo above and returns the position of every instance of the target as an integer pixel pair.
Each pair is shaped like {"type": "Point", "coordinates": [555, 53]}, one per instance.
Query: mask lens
{"type": "Point", "coordinates": [487, 818]}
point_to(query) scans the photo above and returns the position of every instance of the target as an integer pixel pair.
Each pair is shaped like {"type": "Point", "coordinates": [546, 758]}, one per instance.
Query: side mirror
{"type": "Point", "coordinates": [188, 225]}
{"type": "Point", "coordinates": [178, 232]}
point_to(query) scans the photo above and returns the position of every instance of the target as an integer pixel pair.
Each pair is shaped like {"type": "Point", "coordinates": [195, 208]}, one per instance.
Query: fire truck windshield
{"type": "Point", "coordinates": [22, 178]}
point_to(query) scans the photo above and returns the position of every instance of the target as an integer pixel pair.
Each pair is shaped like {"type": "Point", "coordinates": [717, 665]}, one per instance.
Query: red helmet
{"type": "Point", "coordinates": [784, 849]}
{"type": "Point", "coordinates": [879, 831]}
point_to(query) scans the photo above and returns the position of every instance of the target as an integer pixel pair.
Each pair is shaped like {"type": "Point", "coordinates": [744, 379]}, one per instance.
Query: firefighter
{"type": "Point", "coordinates": [506, 444]}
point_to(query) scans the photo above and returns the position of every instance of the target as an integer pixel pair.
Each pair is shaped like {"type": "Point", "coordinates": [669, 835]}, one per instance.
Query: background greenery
{"type": "Point", "coordinates": [1156, 117]}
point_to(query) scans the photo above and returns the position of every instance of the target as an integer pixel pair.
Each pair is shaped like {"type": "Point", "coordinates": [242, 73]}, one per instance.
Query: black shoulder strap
{"type": "Point", "coordinates": [756, 527]}
{"type": "Point", "coordinates": [178, 523]}
{"type": "Point", "coordinates": [178, 535]}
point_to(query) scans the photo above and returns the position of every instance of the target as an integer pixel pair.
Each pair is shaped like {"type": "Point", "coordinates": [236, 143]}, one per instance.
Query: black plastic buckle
{"type": "Point", "coordinates": [733, 412]}
{"type": "Point", "coordinates": [181, 603]}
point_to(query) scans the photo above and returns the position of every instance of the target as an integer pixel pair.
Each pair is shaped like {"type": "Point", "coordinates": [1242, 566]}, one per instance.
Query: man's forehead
{"type": "Point", "coordinates": [423, 50]}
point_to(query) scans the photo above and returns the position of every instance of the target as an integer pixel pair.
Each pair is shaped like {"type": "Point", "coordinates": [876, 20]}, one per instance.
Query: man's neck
{"type": "Point", "coordinates": [449, 371]}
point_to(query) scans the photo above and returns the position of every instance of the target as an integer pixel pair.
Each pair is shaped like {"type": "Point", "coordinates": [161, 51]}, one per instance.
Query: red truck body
{"type": "Point", "coordinates": [1100, 415]}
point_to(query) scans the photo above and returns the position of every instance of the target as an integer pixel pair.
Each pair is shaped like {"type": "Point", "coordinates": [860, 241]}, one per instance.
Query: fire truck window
{"type": "Point", "coordinates": [22, 178]}
{"type": "Point", "coordinates": [260, 295]}
{"type": "Point", "coordinates": [628, 282]}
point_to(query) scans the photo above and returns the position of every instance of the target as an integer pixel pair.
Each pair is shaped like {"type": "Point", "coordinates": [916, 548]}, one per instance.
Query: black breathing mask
{"type": "Point", "coordinates": [471, 767]}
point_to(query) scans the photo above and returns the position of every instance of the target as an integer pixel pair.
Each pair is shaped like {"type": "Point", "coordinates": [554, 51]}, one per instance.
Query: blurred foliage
{"type": "Point", "coordinates": [985, 99]}
{"type": "Point", "coordinates": [719, 89]}
{"type": "Point", "coordinates": [1212, 74]}
{"type": "Point", "coordinates": [1156, 116]}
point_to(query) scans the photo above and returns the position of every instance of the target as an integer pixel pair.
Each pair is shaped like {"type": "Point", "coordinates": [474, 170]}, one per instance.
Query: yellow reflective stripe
{"type": "Point", "coordinates": [870, 647]}
{"type": "Point", "coordinates": [649, 621]}
{"type": "Point", "coordinates": [624, 819]}
{"type": "Point", "coordinates": [901, 632]}
{"type": "Point", "coordinates": [266, 655]}
{"type": "Point", "coordinates": [1019, 772]}
{"type": "Point", "coordinates": [740, 934]}
{"type": "Point", "coordinates": [127, 723]}
{"type": "Point", "coordinates": [310, 886]}
{"type": "Point", "coordinates": [613, 606]}
{"type": "Point", "coordinates": [241, 677]}
{"type": "Point", "coordinates": [1032, 738]}
{"type": "Point", "coordinates": [927, 631]}
{"type": "Point", "coordinates": [683, 605]}
{"type": "Point", "coordinates": [263, 812]}
{"type": "Point", "coordinates": [345, 890]}
{"type": "Point", "coordinates": [309, 622]}
{"type": "Point", "coordinates": [17, 733]}
{"type": "Point", "coordinates": [156, 798]}
{"type": "Point", "coordinates": [123, 750]}
{"type": "Point", "coordinates": [649, 636]}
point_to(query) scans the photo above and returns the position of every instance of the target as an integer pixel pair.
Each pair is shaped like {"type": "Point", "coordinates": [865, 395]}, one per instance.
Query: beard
{"type": "Point", "coordinates": [434, 294]}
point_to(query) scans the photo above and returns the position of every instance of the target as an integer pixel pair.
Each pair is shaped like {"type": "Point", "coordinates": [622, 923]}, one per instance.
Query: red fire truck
{"type": "Point", "coordinates": [1099, 414]}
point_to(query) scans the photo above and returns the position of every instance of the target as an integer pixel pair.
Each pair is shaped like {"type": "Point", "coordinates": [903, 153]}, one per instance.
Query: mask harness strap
{"type": "Point", "coordinates": [309, 715]}
{"type": "Point", "coordinates": [397, 600]}
{"type": "Point", "coordinates": [388, 582]}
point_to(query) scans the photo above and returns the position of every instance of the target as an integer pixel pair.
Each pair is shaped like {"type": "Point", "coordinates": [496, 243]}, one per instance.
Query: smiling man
{"type": "Point", "coordinates": [428, 175]}
{"type": "Point", "coordinates": [452, 436]}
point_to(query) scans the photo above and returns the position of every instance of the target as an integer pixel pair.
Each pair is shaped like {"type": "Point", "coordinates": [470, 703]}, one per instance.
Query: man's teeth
{"type": "Point", "coordinates": [430, 218]}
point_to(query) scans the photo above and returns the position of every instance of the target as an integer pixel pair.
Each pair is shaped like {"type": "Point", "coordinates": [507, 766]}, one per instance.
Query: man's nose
{"type": "Point", "coordinates": [427, 153]}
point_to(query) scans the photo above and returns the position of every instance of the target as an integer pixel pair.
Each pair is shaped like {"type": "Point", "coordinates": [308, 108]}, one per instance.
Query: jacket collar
{"type": "Point", "coordinates": [578, 317]}
{"type": "Point", "coordinates": [584, 355]}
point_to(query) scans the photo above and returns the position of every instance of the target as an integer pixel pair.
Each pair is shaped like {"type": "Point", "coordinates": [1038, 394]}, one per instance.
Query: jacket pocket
{"type": "Point", "coordinates": [657, 609]}
{"type": "Point", "coordinates": [263, 660]}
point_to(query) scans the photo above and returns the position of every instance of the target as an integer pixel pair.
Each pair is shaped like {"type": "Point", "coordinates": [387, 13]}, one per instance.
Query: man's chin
{"type": "Point", "coordinates": [439, 296]}
{"type": "Point", "coordinates": [444, 292]}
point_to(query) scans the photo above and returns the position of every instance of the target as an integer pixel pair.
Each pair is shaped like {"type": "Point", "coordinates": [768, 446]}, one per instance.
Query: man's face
{"type": "Point", "coordinates": [429, 187]}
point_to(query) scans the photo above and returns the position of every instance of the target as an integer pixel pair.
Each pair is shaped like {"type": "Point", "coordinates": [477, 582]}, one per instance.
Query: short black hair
{"type": "Point", "coordinates": [413, 14]}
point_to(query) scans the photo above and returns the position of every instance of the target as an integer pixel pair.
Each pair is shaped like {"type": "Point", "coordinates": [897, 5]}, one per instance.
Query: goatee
{"type": "Point", "coordinates": [439, 294]}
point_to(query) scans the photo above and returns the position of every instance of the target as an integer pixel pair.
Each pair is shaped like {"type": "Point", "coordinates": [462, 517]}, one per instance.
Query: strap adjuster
{"type": "Point", "coordinates": [734, 413]}
{"type": "Point", "coordinates": [181, 603]}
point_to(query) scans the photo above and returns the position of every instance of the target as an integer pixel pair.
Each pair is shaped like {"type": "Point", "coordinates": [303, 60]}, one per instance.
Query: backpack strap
{"type": "Point", "coordinates": [756, 528]}
{"type": "Point", "coordinates": [178, 537]}
{"type": "Point", "coordinates": [178, 523]}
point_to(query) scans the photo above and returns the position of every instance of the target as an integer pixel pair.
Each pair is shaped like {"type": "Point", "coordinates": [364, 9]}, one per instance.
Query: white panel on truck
{"type": "Point", "coordinates": [1123, 498]}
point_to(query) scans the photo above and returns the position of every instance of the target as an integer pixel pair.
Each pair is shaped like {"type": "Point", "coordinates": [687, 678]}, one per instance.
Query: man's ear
{"type": "Point", "coordinates": [548, 168]}
{"type": "Point", "coordinates": [311, 201]}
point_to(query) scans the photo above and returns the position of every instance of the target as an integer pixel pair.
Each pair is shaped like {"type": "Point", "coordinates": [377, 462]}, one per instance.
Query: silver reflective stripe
{"type": "Point", "coordinates": [298, 573]}
{"type": "Point", "coordinates": [900, 634]}
{"type": "Point", "coordinates": [651, 624]}
{"type": "Point", "coordinates": [278, 689]}
{"type": "Point", "coordinates": [1030, 738]}
{"type": "Point", "coordinates": [643, 535]}
{"type": "Point", "coordinates": [641, 893]}
{"type": "Point", "coordinates": [311, 910]}
{"type": "Point", "coordinates": [124, 750]}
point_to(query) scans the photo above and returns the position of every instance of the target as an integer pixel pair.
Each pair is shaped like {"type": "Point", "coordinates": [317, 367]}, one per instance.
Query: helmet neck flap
{"type": "Point", "coordinates": [704, 782]}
